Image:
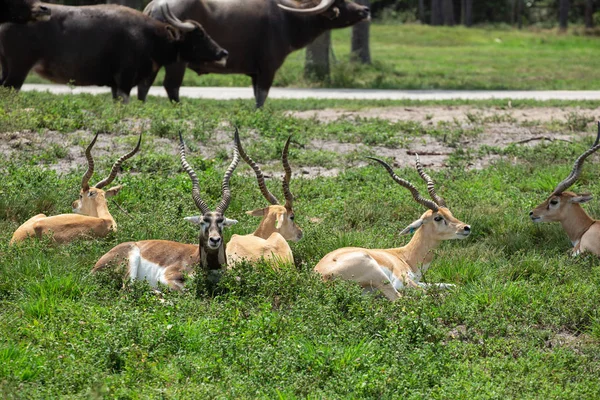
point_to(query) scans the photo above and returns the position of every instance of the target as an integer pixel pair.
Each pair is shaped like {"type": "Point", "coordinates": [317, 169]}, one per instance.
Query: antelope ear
{"type": "Point", "coordinates": [259, 212]}
{"type": "Point", "coordinates": [412, 227]}
{"type": "Point", "coordinates": [196, 219]}
{"type": "Point", "coordinates": [113, 191]}
{"type": "Point", "coordinates": [229, 222]}
{"type": "Point", "coordinates": [279, 222]}
{"type": "Point", "coordinates": [173, 33]}
{"type": "Point", "coordinates": [581, 198]}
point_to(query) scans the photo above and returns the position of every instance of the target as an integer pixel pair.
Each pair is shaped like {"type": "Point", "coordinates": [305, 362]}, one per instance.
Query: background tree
{"type": "Point", "coordinates": [563, 14]}
{"type": "Point", "coordinates": [589, 14]}
{"type": "Point", "coordinates": [448, 12]}
{"type": "Point", "coordinates": [360, 38]}
{"type": "Point", "coordinates": [316, 65]}
{"type": "Point", "coordinates": [436, 12]}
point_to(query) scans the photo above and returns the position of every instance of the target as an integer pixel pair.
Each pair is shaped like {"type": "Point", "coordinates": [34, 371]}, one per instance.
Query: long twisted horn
{"type": "Point", "coordinates": [439, 200]}
{"type": "Point", "coordinates": [226, 193]}
{"type": "Point", "coordinates": [259, 175]}
{"type": "Point", "coordinates": [117, 165]}
{"type": "Point", "coordinates": [90, 171]}
{"type": "Point", "coordinates": [576, 171]}
{"type": "Point", "coordinates": [289, 197]}
{"type": "Point", "coordinates": [195, 185]}
{"type": "Point", "coordinates": [402, 182]}
{"type": "Point", "coordinates": [292, 6]}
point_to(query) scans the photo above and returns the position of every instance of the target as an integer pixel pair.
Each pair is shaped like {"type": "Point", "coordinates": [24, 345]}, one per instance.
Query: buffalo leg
{"type": "Point", "coordinates": [173, 78]}
{"type": "Point", "coordinates": [4, 67]}
{"type": "Point", "coordinates": [261, 84]}
{"type": "Point", "coordinates": [144, 86]}
{"type": "Point", "coordinates": [14, 80]}
{"type": "Point", "coordinates": [120, 94]}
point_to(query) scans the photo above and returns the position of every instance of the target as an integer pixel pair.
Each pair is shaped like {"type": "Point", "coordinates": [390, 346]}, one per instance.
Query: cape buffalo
{"type": "Point", "coordinates": [259, 35]}
{"type": "Point", "coordinates": [23, 11]}
{"type": "Point", "coordinates": [104, 45]}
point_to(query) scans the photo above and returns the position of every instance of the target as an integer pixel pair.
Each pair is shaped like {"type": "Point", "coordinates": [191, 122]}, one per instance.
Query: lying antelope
{"type": "Point", "coordinates": [277, 226]}
{"type": "Point", "coordinates": [91, 217]}
{"type": "Point", "coordinates": [389, 270]}
{"type": "Point", "coordinates": [169, 262]}
{"type": "Point", "coordinates": [565, 207]}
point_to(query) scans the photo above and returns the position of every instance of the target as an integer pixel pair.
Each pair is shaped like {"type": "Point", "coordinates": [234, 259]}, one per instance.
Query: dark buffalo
{"type": "Point", "coordinates": [259, 35]}
{"type": "Point", "coordinates": [104, 45]}
{"type": "Point", "coordinates": [23, 11]}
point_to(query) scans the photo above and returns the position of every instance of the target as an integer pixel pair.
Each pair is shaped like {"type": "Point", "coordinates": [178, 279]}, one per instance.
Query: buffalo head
{"type": "Point", "coordinates": [23, 11]}
{"type": "Point", "coordinates": [195, 45]}
{"type": "Point", "coordinates": [340, 13]}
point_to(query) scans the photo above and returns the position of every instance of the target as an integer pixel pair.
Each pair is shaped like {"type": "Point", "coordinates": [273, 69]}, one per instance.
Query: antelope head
{"type": "Point", "coordinates": [437, 223]}
{"type": "Point", "coordinates": [92, 200]}
{"type": "Point", "coordinates": [275, 218]}
{"type": "Point", "coordinates": [211, 223]}
{"type": "Point", "coordinates": [562, 205]}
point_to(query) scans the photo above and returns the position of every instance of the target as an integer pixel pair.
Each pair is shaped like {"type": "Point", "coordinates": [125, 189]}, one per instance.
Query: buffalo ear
{"type": "Point", "coordinates": [173, 33]}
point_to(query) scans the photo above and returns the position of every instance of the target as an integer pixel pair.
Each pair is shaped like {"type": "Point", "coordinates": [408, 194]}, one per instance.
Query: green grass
{"type": "Point", "coordinates": [424, 57]}
{"type": "Point", "coordinates": [523, 321]}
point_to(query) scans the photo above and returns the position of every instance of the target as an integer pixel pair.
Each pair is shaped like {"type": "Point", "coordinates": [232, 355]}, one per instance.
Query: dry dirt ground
{"type": "Point", "coordinates": [494, 127]}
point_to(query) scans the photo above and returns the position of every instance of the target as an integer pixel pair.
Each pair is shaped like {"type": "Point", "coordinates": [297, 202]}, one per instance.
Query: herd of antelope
{"type": "Point", "coordinates": [384, 270]}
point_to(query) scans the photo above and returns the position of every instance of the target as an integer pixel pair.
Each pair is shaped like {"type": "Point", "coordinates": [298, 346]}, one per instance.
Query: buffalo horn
{"type": "Point", "coordinates": [292, 6]}
{"type": "Point", "coordinates": [173, 20]}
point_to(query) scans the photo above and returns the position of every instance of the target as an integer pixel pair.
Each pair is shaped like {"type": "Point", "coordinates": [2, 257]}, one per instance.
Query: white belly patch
{"type": "Point", "coordinates": [394, 281]}
{"type": "Point", "coordinates": [142, 269]}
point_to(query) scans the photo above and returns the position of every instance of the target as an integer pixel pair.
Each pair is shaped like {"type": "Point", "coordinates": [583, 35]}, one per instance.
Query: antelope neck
{"type": "Point", "coordinates": [578, 224]}
{"type": "Point", "coordinates": [416, 251]}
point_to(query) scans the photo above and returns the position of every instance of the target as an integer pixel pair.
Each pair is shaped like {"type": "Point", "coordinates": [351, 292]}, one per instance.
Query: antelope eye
{"type": "Point", "coordinates": [292, 217]}
{"type": "Point", "coordinates": [438, 219]}
{"type": "Point", "coordinates": [554, 202]}
{"type": "Point", "coordinates": [220, 220]}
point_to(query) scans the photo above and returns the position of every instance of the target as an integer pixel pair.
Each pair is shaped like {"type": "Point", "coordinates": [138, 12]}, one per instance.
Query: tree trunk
{"type": "Point", "coordinates": [422, 11]}
{"type": "Point", "coordinates": [137, 4]}
{"type": "Point", "coordinates": [520, 14]}
{"type": "Point", "coordinates": [316, 66]}
{"type": "Point", "coordinates": [563, 14]}
{"type": "Point", "coordinates": [436, 12]}
{"type": "Point", "coordinates": [589, 14]}
{"type": "Point", "coordinates": [448, 12]}
{"type": "Point", "coordinates": [468, 13]}
{"type": "Point", "coordinates": [360, 38]}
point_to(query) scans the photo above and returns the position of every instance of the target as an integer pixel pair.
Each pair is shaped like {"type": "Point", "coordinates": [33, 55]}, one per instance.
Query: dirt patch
{"type": "Point", "coordinates": [465, 114]}
{"type": "Point", "coordinates": [568, 340]}
{"type": "Point", "coordinates": [497, 128]}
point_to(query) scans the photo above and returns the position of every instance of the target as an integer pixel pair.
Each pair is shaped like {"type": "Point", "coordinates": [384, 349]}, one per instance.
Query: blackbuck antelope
{"type": "Point", "coordinates": [91, 217]}
{"type": "Point", "coordinates": [169, 262]}
{"type": "Point", "coordinates": [565, 207]}
{"type": "Point", "coordinates": [389, 270]}
{"type": "Point", "coordinates": [277, 226]}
